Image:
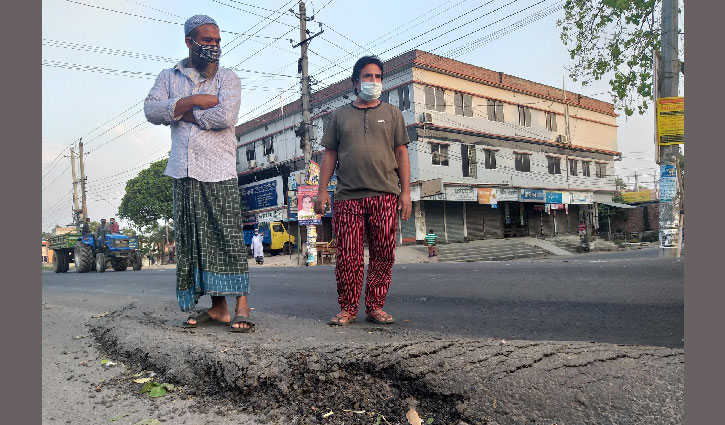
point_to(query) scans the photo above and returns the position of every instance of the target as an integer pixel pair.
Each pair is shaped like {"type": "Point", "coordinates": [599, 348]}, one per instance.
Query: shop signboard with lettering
{"type": "Point", "coordinates": [533, 195]}
{"type": "Point", "coordinates": [507, 195]}
{"type": "Point", "coordinates": [264, 194]}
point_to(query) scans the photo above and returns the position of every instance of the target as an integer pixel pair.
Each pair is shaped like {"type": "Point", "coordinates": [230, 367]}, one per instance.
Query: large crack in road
{"type": "Point", "coordinates": [296, 371]}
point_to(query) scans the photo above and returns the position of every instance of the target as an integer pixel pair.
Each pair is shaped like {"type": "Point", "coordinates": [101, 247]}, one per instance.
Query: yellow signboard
{"type": "Point", "coordinates": [631, 197]}
{"type": "Point", "coordinates": [671, 120]}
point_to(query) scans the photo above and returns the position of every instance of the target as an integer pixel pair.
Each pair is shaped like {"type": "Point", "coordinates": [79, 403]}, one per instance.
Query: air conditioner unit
{"type": "Point", "coordinates": [271, 158]}
{"type": "Point", "coordinates": [427, 118]}
{"type": "Point", "coordinates": [561, 138]}
{"type": "Point", "coordinates": [252, 164]}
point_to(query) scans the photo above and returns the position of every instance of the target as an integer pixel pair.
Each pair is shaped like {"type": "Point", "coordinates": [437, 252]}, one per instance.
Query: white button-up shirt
{"type": "Point", "coordinates": [206, 151]}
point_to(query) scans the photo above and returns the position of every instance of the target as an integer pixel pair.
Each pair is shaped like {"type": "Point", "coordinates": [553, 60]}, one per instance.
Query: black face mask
{"type": "Point", "coordinates": [207, 53]}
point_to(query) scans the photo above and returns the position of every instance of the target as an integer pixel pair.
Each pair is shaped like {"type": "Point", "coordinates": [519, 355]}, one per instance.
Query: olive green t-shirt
{"type": "Point", "coordinates": [365, 140]}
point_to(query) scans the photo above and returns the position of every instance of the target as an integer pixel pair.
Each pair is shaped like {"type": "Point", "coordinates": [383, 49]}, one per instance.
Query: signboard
{"type": "Point", "coordinates": [249, 219]}
{"type": "Point", "coordinates": [641, 196]}
{"type": "Point", "coordinates": [460, 193]}
{"type": "Point", "coordinates": [313, 174]}
{"type": "Point", "coordinates": [533, 195]}
{"type": "Point", "coordinates": [262, 195]}
{"type": "Point", "coordinates": [487, 196]}
{"type": "Point", "coordinates": [306, 205]}
{"type": "Point", "coordinates": [507, 194]}
{"type": "Point", "coordinates": [671, 120]}
{"type": "Point", "coordinates": [292, 202]}
{"type": "Point", "coordinates": [581, 197]}
{"type": "Point", "coordinates": [332, 184]}
{"type": "Point", "coordinates": [554, 198]}
{"type": "Point", "coordinates": [276, 215]}
{"type": "Point", "coordinates": [668, 182]}
{"type": "Point", "coordinates": [431, 187]}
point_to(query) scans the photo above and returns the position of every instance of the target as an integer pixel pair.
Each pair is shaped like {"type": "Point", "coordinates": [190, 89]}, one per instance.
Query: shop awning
{"type": "Point", "coordinates": [617, 205]}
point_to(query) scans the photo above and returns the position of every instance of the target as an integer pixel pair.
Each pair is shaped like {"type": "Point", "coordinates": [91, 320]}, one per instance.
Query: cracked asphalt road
{"type": "Point", "coordinates": [589, 339]}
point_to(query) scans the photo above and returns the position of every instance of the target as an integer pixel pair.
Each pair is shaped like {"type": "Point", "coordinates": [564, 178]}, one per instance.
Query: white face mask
{"type": "Point", "coordinates": [370, 91]}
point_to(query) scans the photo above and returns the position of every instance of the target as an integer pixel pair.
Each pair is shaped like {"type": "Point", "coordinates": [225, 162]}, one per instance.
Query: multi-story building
{"type": "Point", "coordinates": [492, 155]}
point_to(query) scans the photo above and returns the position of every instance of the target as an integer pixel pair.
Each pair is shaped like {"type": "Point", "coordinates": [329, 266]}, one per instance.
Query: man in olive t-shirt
{"type": "Point", "coordinates": [366, 140]}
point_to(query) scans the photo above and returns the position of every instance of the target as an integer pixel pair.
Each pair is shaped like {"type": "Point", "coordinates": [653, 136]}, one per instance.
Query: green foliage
{"type": "Point", "coordinates": [614, 36]}
{"type": "Point", "coordinates": [619, 183]}
{"type": "Point", "coordinates": [148, 197]}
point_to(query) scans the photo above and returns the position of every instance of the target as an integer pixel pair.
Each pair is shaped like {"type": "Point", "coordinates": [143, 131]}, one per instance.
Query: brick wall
{"type": "Point", "coordinates": [640, 219]}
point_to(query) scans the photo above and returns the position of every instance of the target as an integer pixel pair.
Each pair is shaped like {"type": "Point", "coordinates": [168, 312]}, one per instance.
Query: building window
{"type": "Point", "coordinates": [601, 170]}
{"type": "Point", "coordinates": [522, 162]}
{"type": "Point", "coordinates": [572, 167]}
{"type": "Point", "coordinates": [464, 104]}
{"type": "Point", "coordinates": [585, 169]}
{"type": "Point", "coordinates": [403, 98]}
{"type": "Point", "coordinates": [490, 159]}
{"type": "Point", "coordinates": [554, 164]}
{"type": "Point", "coordinates": [468, 159]}
{"type": "Point", "coordinates": [524, 116]}
{"type": "Point", "coordinates": [440, 154]}
{"type": "Point", "coordinates": [495, 110]}
{"type": "Point", "coordinates": [238, 150]}
{"type": "Point", "coordinates": [250, 152]}
{"type": "Point", "coordinates": [435, 99]}
{"type": "Point", "coordinates": [385, 97]}
{"type": "Point", "coordinates": [551, 121]}
{"type": "Point", "coordinates": [268, 146]}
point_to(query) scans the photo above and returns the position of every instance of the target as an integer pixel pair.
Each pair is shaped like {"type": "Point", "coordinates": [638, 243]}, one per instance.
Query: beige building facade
{"type": "Point", "coordinates": [500, 150]}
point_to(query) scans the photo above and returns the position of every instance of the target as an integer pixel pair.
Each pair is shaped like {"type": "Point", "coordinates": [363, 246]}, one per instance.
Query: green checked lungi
{"type": "Point", "coordinates": [210, 252]}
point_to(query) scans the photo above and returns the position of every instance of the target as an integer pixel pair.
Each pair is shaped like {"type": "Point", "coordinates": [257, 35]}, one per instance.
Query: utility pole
{"type": "Point", "coordinates": [84, 208]}
{"type": "Point", "coordinates": [669, 210]}
{"type": "Point", "coordinates": [306, 122]}
{"type": "Point", "coordinates": [76, 210]}
{"type": "Point", "coordinates": [636, 181]}
{"type": "Point", "coordinates": [566, 109]}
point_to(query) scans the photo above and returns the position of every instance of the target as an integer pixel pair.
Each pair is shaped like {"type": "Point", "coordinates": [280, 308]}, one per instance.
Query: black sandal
{"type": "Point", "coordinates": [202, 319]}
{"type": "Point", "coordinates": [242, 319]}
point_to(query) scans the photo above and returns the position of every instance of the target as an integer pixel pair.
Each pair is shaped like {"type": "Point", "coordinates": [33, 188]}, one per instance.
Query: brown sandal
{"type": "Point", "coordinates": [380, 317]}
{"type": "Point", "coordinates": [342, 318]}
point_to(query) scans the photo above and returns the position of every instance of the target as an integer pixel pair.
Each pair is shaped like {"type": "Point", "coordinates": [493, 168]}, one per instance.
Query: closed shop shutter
{"type": "Point", "coordinates": [548, 223]}
{"type": "Point", "coordinates": [407, 228]}
{"type": "Point", "coordinates": [562, 224]}
{"type": "Point", "coordinates": [474, 221]}
{"type": "Point", "coordinates": [454, 221]}
{"type": "Point", "coordinates": [434, 218]}
{"type": "Point", "coordinates": [492, 222]}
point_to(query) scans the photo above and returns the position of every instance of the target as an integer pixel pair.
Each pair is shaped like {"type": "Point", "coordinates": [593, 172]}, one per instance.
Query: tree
{"type": "Point", "coordinates": [148, 197]}
{"type": "Point", "coordinates": [614, 36]}
{"type": "Point", "coordinates": [619, 184]}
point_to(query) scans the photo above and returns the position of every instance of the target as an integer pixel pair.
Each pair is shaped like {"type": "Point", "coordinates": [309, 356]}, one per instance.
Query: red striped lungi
{"type": "Point", "coordinates": [351, 219]}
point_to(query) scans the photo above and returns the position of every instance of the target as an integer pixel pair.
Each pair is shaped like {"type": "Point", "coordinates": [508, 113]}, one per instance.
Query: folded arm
{"type": "Point", "coordinates": [226, 112]}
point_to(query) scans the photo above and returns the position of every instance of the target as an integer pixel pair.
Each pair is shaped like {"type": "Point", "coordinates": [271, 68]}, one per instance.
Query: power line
{"type": "Point", "coordinates": [156, 19]}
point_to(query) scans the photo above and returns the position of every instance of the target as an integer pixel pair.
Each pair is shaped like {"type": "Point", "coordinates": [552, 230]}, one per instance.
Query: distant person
{"type": "Point", "coordinates": [199, 101]}
{"type": "Point", "coordinates": [113, 227]}
{"type": "Point", "coordinates": [86, 228]}
{"type": "Point", "coordinates": [257, 247]}
{"type": "Point", "coordinates": [367, 141]}
{"type": "Point", "coordinates": [101, 230]}
{"type": "Point", "coordinates": [430, 240]}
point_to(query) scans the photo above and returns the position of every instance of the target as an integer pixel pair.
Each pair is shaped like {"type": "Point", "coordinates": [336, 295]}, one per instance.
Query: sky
{"type": "Point", "coordinates": [100, 59]}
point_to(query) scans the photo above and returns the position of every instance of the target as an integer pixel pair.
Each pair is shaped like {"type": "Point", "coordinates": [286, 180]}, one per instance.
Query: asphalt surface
{"type": "Point", "coordinates": [594, 338]}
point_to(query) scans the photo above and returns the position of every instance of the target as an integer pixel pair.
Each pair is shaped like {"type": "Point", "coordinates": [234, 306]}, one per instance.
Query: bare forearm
{"type": "Point", "coordinates": [329, 161]}
{"type": "Point", "coordinates": [401, 157]}
{"type": "Point", "coordinates": [184, 105]}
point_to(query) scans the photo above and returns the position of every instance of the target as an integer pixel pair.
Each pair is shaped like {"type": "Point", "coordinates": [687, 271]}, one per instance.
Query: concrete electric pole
{"type": "Point", "coordinates": [669, 210]}
{"type": "Point", "coordinates": [76, 210]}
{"type": "Point", "coordinates": [84, 208]}
{"type": "Point", "coordinates": [306, 122]}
